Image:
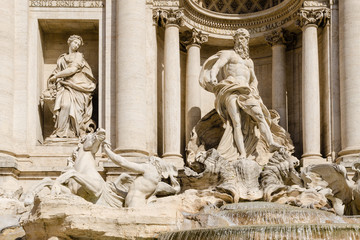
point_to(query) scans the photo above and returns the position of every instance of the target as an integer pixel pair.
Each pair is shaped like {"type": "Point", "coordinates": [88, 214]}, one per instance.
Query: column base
{"type": "Point", "coordinates": [9, 174]}
{"type": "Point", "coordinates": [346, 158]}
{"type": "Point", "coordinates": [131, 152]}
{"type": "Point", "coordinates": [309, 159]}
{"type": "Point", "coordinates": [175, 159]}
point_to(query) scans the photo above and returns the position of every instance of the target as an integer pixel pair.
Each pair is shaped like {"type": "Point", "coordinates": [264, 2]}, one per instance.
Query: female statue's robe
{"type": "Point", "coordinates": [73, 104]}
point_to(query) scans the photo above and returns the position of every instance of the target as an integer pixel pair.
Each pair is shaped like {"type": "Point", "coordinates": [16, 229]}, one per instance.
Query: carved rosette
{"type": "Point", "coordinates": [165, 17]}
{"type": "Point", "coordinates": [318, 17]}
{"type": "Point", "coordinates": [280, 37]}
{"type": "Point", "coordinates": [194, 37]}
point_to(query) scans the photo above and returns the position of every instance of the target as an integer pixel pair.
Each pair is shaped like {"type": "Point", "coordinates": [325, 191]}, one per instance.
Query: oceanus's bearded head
{"type": "Point", "coordinates": [241, 39]}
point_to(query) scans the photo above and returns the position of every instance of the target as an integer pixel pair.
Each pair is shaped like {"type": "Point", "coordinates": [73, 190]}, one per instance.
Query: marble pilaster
{"type": "Point", "coordinates": [131, 107]}
{"type": "Point", "coordinates": [171, 20]}
{"type": "Point", "coordinates": [349, 30]}
{"type": "Point", "coordinates": [193, 89]}
{"type": "Point", "coordinates": [7, 39]}
{"type": "Point", "coordinates": [325, 93]}
{"type": "Point", "coordinates": [335, 81]}
{"type": "Point", "coordinates": [310, 19]}
{"type": "Point", "coordinates": [152, 91]}
{"type": "Point", "coordinates": [278, 41]}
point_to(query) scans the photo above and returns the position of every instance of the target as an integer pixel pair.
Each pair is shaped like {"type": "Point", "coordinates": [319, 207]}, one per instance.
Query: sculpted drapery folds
{"type": "Point", "coordinates": [72, 85]}
{"type": "Point", "coordinates": [230, 75]}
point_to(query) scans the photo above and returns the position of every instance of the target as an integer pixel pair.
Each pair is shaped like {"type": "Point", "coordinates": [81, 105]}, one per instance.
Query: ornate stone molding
{"type": "Point", "coordinates": [317, 17]}
{"type": "Point", "coordinates": [194, 37]}
{"type": "Point", "coordinates": [280, 36]}
{"type": "Point", "coordinates": [226, 24]}
{"type": "Point", "coordinates": [170, 16]}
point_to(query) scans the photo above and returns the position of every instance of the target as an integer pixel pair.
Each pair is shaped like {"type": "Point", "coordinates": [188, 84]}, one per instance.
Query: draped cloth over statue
{"type": "Point", "coordinates": [73, 103]}
{"type": "Point", "coordinates": [226, 90]}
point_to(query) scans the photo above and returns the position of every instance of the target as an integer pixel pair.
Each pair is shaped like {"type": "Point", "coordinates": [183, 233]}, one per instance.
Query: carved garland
{"type": "Point", "coordinates": [194, 37]}
{"type": "Point", "coordinates": [313, 16]}
{"type": "Point", "coordinates": [165, 17]}
{"type": "Point", "coordinates": [280, 36]}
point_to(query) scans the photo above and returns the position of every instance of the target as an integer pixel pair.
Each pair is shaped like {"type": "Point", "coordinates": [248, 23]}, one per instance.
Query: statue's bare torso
{"type": "Point", "coordinates": [237, 68]}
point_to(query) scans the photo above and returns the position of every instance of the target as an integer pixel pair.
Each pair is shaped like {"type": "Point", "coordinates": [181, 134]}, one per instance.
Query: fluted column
{"type": "Point", "coordinates": [131, 107]}
{"type": "Point", "coordinates": [171, 20]}
{"type": "Point", "coordinates": [192, 109]}
{"type": "Point", "coordinates": [310, 20]}
{"type": "Point", "coordinates": [7, 39]}
{"type": "Point", "coordinates": [278, 40]}
{"type": "Point", "coordinates": [349, 27]}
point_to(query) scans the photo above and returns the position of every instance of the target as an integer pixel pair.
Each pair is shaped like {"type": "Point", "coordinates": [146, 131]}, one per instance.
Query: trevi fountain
{"type": "Point", "coordinates": [179, 119]}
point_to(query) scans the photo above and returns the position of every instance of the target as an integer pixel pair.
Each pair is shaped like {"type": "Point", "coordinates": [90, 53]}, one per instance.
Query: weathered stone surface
{"type": "Point", "coordinates": [282, 184]}
{"type": "Point", "coordinates": [69, 216]}
{"type": "Point", "coordinates": [238, 179]}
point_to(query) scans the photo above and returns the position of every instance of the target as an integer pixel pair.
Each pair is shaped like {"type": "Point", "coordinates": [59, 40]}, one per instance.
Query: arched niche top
{"type": "Point", "coordinates": [221, 25]}
{"type": "Point", "coordinates": [237, 6]}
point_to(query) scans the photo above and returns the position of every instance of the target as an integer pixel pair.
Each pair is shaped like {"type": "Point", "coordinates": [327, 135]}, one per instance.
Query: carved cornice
{"type": "Point", "coordinates": [280, 37]}
{"type": "Point", "coordinates": [226, 24]}
{"type": "Point", "coordinates": [170, 16]}
{"type": "Point", "coordinates": [317, 17]}
{"type": "Point", "coordinates": [194, 37]}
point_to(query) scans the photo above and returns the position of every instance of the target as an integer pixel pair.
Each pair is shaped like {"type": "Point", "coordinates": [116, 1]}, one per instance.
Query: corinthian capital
{"type": "Point", "coordinates": [194, 37]}
{"type": "Point", "coordinates": [313, 16]}
{"type": "Point", "coordinates": [168, 16]}
{"type": "Point", "coordinates": [280, 36]}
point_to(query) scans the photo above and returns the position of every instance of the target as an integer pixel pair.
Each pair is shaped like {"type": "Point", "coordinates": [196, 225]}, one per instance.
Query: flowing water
{"type": "Point", "coordinates": [262, 220]}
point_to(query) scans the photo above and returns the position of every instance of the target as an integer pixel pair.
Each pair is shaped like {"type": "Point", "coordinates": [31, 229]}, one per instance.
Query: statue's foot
{"type": "Point", "coordinates": [276, 147]}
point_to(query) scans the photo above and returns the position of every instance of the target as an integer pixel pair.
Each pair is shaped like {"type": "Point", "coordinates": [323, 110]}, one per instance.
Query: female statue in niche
{"type": "Point", "coordinates": [71, 86]}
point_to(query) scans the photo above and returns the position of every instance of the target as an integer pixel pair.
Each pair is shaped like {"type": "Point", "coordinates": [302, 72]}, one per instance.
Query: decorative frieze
{"type": "Point", "coordinates": [165, 17]}
{"type": "Point", "coordinates": [194, 37]}
{"type": "Point", "coordinates": [280, 36]}
{"type": "Point", "coordinates": [316, 3]}
{"type": "Point", "coordinates": [164, 3]}
{"type": "Point", "coordinates": [67, 3]}
{"type": "Point", "coordinates": [318, 17]}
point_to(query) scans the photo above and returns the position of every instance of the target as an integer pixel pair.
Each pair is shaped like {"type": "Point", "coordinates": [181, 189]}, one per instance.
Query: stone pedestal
{"type": "Point", "coordinates": [131, 107]}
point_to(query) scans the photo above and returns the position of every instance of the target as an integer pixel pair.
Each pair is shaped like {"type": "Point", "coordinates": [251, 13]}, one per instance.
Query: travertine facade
{"type": "Point", "coordinates": [146, 56]}
{"type": "Point", "coordinates": [147, 64]}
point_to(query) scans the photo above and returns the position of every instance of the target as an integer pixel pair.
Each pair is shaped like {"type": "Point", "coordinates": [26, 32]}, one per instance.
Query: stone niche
{"type": "Point", "coordinates": [54, 34]}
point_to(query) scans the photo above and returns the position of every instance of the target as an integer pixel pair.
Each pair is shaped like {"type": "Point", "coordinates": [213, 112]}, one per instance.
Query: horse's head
{"type": "Point", "coordinates": [92, 141]}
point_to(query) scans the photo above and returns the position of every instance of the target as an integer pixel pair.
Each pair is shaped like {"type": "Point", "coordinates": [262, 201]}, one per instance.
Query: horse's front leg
{"type": "Point", "coordinates": [90, 185]}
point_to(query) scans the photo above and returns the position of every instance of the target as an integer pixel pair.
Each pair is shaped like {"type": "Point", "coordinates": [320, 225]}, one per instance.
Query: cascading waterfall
{"type": "Point", "coordinates": [263, 220]}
